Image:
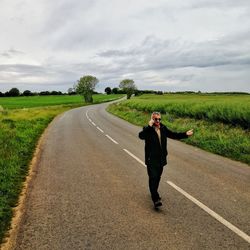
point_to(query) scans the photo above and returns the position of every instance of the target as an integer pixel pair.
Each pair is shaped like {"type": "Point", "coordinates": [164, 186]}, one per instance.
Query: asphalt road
{"type": "Point", "coordinates": [91, 192]}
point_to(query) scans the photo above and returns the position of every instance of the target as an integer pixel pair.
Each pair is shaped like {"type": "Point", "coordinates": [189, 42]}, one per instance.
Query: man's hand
{"type": "Point", "coordinates": [151, 123]}
{"type": "Point", "coordinates": [190, 132]}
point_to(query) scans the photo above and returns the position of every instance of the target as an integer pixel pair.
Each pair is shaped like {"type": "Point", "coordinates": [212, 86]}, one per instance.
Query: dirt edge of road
{"type": "Point", "coordinates": [10, 238]}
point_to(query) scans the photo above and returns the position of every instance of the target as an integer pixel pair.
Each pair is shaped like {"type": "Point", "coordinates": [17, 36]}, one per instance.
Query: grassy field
{"type": "Point", "coordinates": [20, 130]}
{"type": "Point", "coordinates": [41, 101]}
{"type": "Point", "coordinates": [220, 122]}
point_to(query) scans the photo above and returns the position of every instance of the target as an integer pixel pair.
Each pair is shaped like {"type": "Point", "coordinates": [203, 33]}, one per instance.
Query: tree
{"type": "Point", "coordinates": [27, 93]}
{"type": "Point", "coordinates": [44, 93]}
{"type": "Point", "coordinates": [108, 90]}
{"type": "Point", "coordinates": [14, 92]}
{"type": "Point", "coordinates": [115, 90]}
{"type": "Point", "coordinates": [85, 87]}
{"type": "Point", "coordinates": [128, 86]}
{"type": "Point", "coordinates": [55, 92]}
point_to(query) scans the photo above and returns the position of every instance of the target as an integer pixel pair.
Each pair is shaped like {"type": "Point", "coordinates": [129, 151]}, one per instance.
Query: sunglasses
{"type": "Point", "coordinates": [157, 119]}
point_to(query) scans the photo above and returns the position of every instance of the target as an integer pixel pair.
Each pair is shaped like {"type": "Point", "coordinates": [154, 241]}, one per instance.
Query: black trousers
{"type": "Point", "coordinates": [154, 174]}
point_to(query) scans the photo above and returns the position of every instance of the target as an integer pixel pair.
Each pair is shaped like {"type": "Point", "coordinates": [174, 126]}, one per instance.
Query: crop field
{"type": "Point", "coordinates": [20, 130]}
{"type": "Point", "coordinates": [221, 123]}
{"type": "Point", "coordinates": [228, 109]}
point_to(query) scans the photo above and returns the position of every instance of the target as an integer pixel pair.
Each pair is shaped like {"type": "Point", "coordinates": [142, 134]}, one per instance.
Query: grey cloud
{"type": "Point", "coordinates": [23, 69]}
{"type": "Point", "coordinates": [159, 54]}
{"type": "Point", "coordinates": [11, 53]}
{"type": "Point", "coordinates": [15, 52]}
{"type": "Point", "coordinates": [68, 24]}
{"type": "Point", "coordinates": [33, 74]}
{"type": "Point", "coordinates": [63, 12]}
{"type": "Point", "coordinates": [182, 65]}
{"type": "Point", "coordinates": [219, 4]}
{"type": "Point", "coordinates": [5, 54]}
{"type": "Point", "coordinates": [113, 53]}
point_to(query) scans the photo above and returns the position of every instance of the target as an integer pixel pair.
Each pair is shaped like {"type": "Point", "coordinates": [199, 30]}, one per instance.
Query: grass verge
{"type": "Point", "coordinates": [223, 139]}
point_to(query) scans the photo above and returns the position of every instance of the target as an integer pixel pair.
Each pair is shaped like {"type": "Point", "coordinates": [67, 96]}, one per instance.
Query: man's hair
{"type": "Point", "coordinates": [156, 113]}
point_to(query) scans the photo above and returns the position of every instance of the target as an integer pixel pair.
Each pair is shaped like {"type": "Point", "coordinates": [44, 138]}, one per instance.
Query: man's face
{"type": "Point", "coordinates": [157, 119]}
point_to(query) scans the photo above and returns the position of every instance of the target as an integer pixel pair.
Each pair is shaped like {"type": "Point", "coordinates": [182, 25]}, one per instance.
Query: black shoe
{"type": "Point", "coordinates": [157, 203]}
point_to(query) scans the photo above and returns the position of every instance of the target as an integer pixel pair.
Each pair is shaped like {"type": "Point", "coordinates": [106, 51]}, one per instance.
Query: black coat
{"type": "Point", "coordinates": [156, 153]}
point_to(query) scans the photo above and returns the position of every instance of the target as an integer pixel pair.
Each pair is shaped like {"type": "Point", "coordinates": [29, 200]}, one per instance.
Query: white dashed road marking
{"type": "Point", "coordinates": [110, 138]}
{"type": "Point", "coordinates": [100, 129]}
{"type": "Point", "coordinates": [135, 157]}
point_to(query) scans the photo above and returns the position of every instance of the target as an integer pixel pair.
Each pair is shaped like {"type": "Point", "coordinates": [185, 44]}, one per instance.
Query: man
{"type": "Point", "coordinates": [155, 136]}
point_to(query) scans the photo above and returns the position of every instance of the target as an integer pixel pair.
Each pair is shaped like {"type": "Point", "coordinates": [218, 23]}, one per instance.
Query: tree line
{"type": "Point", "coordinates": [14, 92]}
{"type": "Point", "coordinates": [85, 86]}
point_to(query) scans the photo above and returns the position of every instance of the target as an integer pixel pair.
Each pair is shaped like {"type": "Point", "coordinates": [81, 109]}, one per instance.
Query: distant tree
{"type": "Point", "coordinates": [115, 91]}
{"type": "Point", "coordinates": [2, 94]}
{"type": "Point", "coordinates": [108, 90]}
{"type": "Point", "coordinates": [44, 93]}
{"type": "Point", "coordinates": [128, 86]}
{"type": "Point", "coordinates": [138, 92]}
{"type": "Point", "coordinates": [55, 92]}
{"type": "Point", "coordinates": [85, 87]}
{"type": "Point", "coordinates": [27, 93]}
{"type": "Point", "coordinates": [14, 92]}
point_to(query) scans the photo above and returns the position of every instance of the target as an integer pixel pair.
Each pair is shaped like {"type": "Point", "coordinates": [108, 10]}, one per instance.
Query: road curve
{"type": "Point", "coordinates": [90, 192]}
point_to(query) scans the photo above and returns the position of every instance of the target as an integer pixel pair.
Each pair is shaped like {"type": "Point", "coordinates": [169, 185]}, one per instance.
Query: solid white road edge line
{"type": "Point", "coordinates": [100, 129]}
{"type": "Point", "coordinates": [201, 205]}
{"type": "Point", "coordinates": [110, 138]}
{"type": "Point", "coordinates": [93, 123]}
{"type": "Point", "coordinates": [212, 213]}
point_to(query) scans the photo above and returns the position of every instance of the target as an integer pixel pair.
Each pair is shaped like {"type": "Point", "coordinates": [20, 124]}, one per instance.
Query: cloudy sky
{"type": "Point", "coordinates": [169, 45]}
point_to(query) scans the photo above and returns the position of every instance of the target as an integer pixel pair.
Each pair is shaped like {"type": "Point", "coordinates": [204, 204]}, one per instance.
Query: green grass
{"type": "Point", "coordinates": [20, 130]}
{"type": "Point", "coordinates": [41, 101]}
{"type": "Point", "coordinates": [230, 140]}
{"type": "Point", "coordinates": [228, 109]}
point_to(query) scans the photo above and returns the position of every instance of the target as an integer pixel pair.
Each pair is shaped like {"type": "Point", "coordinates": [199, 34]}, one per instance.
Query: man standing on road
{"type": "Point", "coordinates": [155, 136]}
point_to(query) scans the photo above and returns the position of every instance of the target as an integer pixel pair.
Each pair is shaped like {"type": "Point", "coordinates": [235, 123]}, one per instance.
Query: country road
{"type": "Point", "coordinates": [90, 191]}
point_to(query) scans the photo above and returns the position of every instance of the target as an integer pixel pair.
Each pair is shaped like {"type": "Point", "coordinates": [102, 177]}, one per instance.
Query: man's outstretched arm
{"type": "Point", "coordinates": [175, 135]}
